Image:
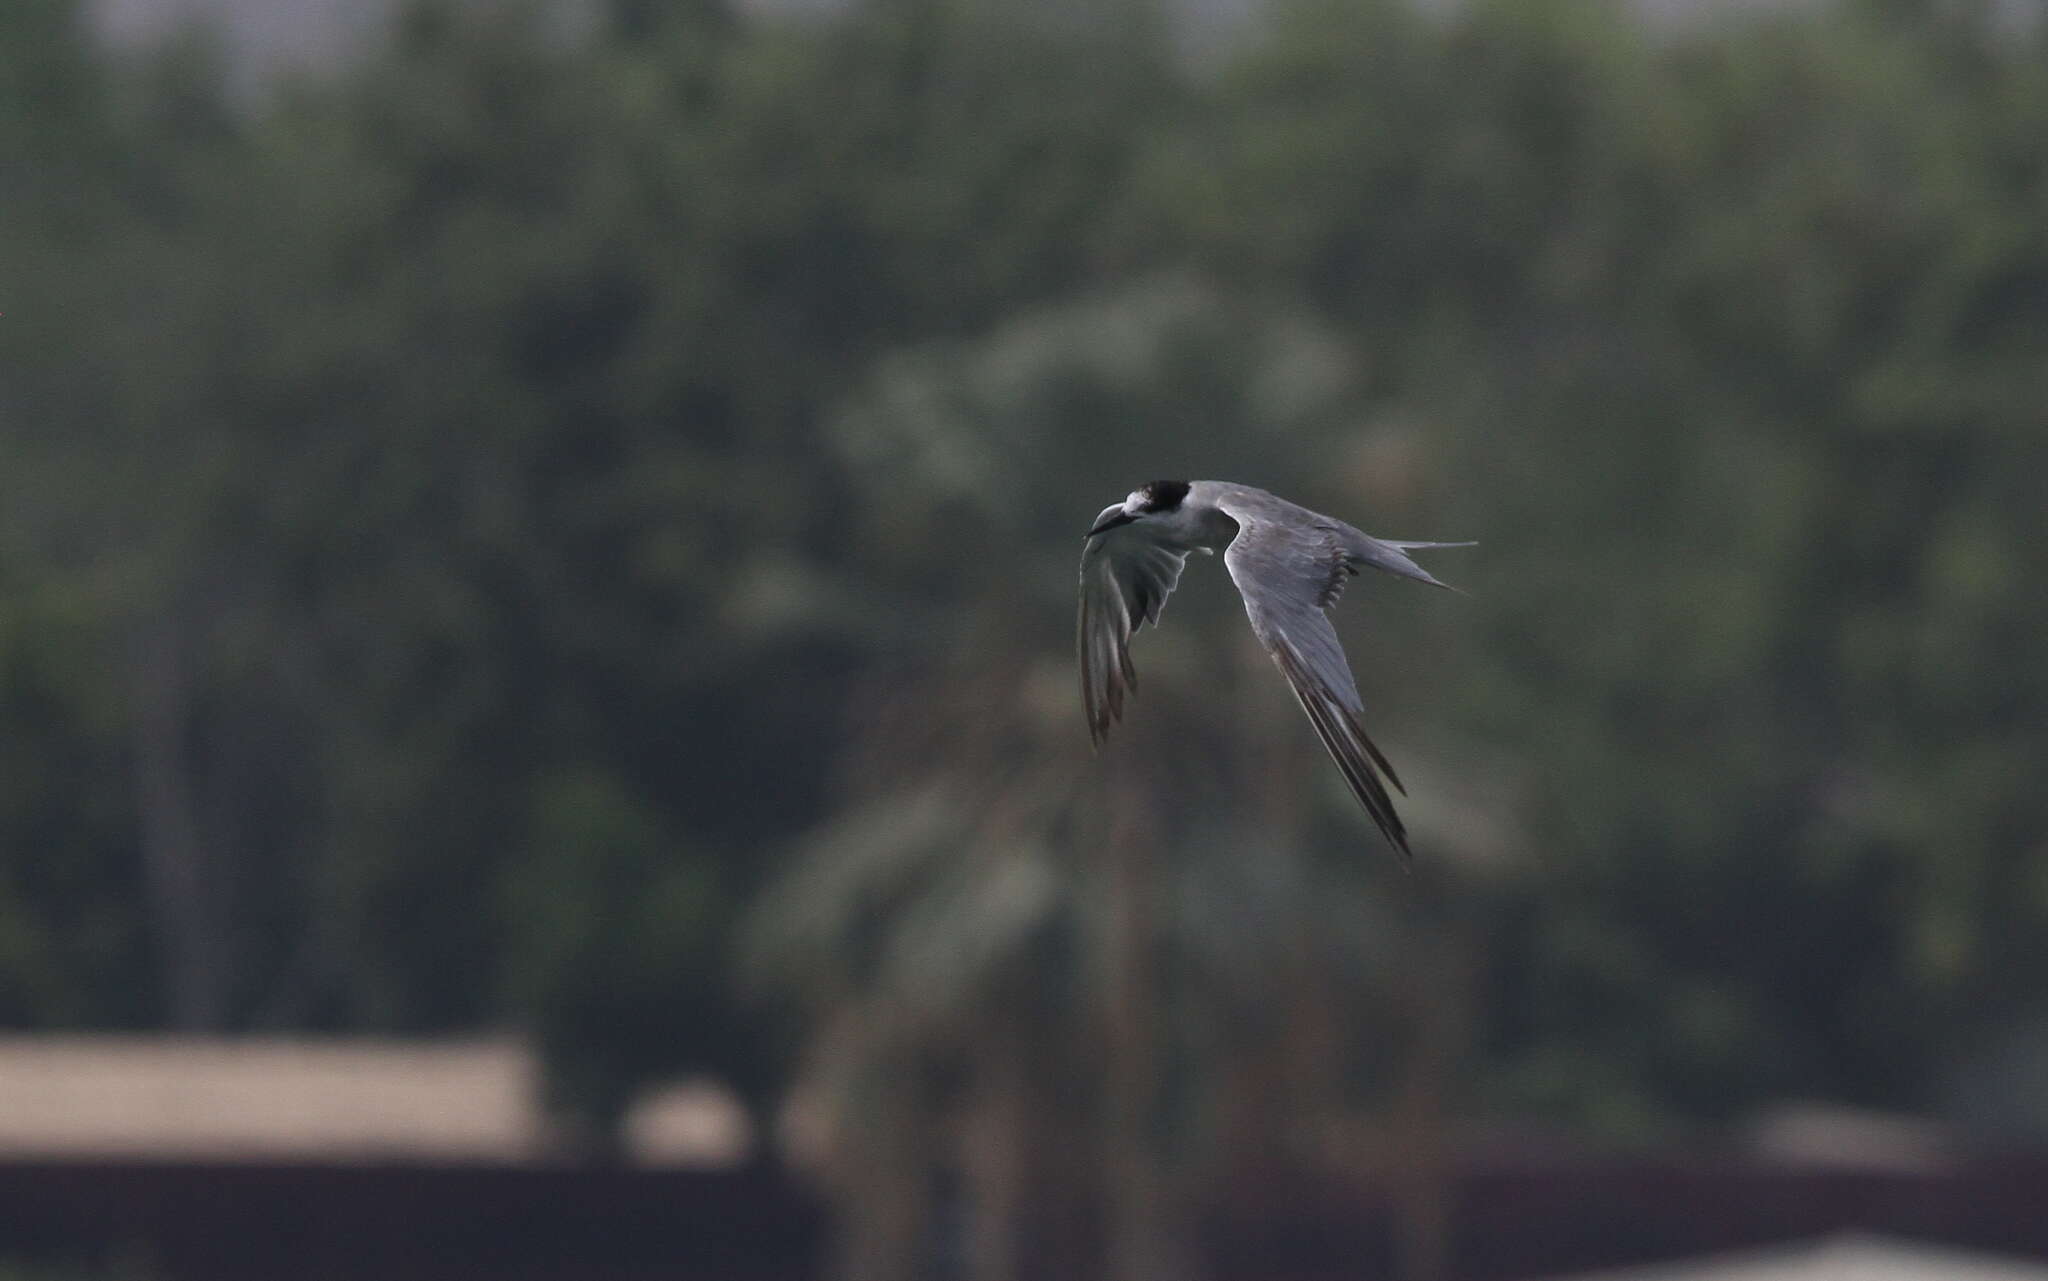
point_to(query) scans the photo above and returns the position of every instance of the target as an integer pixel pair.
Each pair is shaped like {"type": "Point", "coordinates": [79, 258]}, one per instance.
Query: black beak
{"type": "Point", "coordinates": [1111, 521]}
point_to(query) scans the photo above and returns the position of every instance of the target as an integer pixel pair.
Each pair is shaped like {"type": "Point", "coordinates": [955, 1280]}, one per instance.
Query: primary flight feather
{"type": "Point", "coordinates": [1290, 565]}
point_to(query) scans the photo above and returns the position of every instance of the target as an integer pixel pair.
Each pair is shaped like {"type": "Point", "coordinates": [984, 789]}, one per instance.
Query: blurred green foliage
{"type": "Point", "coordinates": [463, 519]}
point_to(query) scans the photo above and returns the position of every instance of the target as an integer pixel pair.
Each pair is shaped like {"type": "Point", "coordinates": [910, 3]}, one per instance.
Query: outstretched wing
{"type": "Point", "coordinates": [1126, 576]}
{"type": "Point", "coordinates": [1289, 573]}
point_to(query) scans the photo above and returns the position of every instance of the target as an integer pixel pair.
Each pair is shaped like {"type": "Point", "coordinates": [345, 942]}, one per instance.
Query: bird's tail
{"type": "Point", "coordinates": [1390, 555]}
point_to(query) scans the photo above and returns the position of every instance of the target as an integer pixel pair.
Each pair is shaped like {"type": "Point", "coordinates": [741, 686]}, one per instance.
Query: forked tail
{"type": "Point", "coordinates": [1390, 555]}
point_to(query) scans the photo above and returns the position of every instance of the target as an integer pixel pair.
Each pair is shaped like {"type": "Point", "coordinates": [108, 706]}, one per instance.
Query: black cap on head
{"type": "Point", "coordinates": [1164, 495]}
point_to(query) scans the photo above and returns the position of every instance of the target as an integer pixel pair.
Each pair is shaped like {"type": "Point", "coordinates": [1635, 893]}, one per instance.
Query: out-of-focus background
{"type": "Point", "coordinates": [537, 729]}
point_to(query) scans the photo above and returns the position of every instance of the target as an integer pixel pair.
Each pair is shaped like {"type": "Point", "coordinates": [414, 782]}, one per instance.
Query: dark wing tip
{"type": "Point", "coordinates": [1105, 678]}
{"type": "Point", "coordinates": [1351, 749]}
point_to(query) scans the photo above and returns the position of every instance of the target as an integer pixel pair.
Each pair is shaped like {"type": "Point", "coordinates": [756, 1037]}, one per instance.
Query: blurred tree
{"type": "Point", "coordinates": [1700, 323]}
{"type": "Point", "coordinates": [71, 947]}
{"type": "Point", "coordinates": [488, 469]}
{"type": "Point", "coordinates": [1077, 981]}
{"type": "Point", "coordinates": [614, 941]}
{"type": "Point", "coordinates": [448, 428]}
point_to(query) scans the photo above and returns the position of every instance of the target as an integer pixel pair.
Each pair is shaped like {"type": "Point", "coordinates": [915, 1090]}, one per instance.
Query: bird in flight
{"type": "Point", "coordinates": [1290, 565]}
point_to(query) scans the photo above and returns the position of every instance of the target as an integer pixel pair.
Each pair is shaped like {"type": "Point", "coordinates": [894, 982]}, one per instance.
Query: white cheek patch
{"type": "Point", "coordinates": [1134, 500]}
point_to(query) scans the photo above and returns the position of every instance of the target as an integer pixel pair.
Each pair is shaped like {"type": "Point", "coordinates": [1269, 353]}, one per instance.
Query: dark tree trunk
{"type": "Point", "coordinates": [183, 893]}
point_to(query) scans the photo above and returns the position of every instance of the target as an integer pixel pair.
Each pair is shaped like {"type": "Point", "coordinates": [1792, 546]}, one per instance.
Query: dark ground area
{"type": "Point", "coordinates": [224, 1222]}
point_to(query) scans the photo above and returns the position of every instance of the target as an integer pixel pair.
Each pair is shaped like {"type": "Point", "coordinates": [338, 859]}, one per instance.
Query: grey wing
{"type": "Point", "coordinates": [1125, 580]}
{"type": "Point", "coordinates": [1289, 574]}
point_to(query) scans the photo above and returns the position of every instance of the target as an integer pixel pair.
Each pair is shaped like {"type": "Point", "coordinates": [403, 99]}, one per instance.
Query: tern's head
{"type": "Point", "coordinates": [1159, 498]}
